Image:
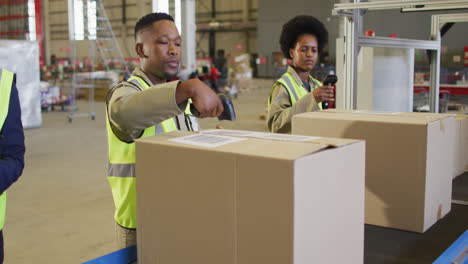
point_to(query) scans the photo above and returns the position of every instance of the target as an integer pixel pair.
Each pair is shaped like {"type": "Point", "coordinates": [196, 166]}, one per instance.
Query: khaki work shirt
{"type": "Point", "coordinates": [131, 110]}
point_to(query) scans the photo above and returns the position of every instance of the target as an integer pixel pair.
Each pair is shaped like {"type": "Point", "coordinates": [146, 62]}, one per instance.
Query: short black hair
{"type": "Point", "coordinates": [298, 26]}
{"type": "Point", "coordinates": [149, 19]}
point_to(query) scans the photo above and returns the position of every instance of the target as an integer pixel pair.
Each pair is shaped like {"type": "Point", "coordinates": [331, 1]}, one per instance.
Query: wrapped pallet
{"type": "Point", "coordinates": [22, 58]}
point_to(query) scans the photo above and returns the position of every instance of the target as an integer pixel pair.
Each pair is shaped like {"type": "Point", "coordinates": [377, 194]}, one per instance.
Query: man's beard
{"type": "Point", "coordinates": [170, 76]}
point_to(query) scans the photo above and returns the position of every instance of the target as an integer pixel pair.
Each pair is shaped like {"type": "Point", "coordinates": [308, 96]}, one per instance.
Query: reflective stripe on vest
{"type": "Point", "coordinates": [6, 81]}
{"type": "Point", "coordinates": [121, 166]}
{"type": "Point", "coordinates": [294, 90]}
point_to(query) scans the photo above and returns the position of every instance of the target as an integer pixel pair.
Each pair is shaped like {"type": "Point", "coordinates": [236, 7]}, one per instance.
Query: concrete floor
{"type": "Point", "coordinates": [61, 208]}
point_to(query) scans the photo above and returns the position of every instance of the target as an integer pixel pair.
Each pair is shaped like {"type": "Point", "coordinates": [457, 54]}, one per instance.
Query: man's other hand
{"type": "Point", "coordinates": [203, 98]}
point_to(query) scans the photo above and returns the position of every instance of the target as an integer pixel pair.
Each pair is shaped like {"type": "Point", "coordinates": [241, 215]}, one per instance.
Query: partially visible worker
{"type": "Point", "coordinates": [302, 39]}
{"type": "Point", "coordinates": [11, 142]}
{"type": "Point", "coordinates": [147, 104]}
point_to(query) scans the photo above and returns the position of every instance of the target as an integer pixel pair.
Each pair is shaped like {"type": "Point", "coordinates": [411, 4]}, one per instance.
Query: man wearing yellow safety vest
{"type": "Point", "coordinates": [302, 39]}
{"type": "Point", "coordinates": [147, 104]}
{"type": "Point", "coordinates": [11, 142]}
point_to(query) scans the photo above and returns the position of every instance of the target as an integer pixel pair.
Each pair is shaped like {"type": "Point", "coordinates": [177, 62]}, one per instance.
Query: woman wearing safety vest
{"type": "Point", "coordinates": [11, 142]}
{"type": "Point", "coordinates": [302, 39]}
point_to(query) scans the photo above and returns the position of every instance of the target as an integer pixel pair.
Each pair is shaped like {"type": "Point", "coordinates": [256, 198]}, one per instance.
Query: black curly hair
{"type": "Point", "coordinates": [298, 26]}
{"type": "Point", "coordinates": [149, 19]}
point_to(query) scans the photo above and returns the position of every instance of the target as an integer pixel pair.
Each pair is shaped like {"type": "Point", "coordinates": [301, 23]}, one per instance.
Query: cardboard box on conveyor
{"type": "Point", "coordinates": [226, 196]}
{"type": "Point", "coordinates": [409, 162]}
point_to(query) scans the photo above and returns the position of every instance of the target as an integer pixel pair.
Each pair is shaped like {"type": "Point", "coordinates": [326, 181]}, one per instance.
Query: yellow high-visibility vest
{"type": "Point", "coordinates": [296, 91]}
{"type": "Point", "coordinates": [6, 81]}
{"type": "Point", "coordinates": [121, 164]}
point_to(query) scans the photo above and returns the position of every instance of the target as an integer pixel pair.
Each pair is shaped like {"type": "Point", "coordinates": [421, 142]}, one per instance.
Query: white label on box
{"type": "Point", "coordinates": [285, 137]}
{"type": "Point", "coordinates": [206, 140]}
{"type": "Point", "coordinates": [369, 112]}
{"type": "Point", "coordinates": [227, 132]}
{"type": "Point", "coordinates": [239, 133]}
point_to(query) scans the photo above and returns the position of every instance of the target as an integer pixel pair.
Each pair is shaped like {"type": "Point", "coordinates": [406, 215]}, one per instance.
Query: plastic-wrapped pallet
{"type": "Point", "coordinates": [22, 58]}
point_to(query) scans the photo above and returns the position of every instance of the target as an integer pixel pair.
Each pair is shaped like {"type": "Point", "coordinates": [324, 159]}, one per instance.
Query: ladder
{"type": "Point", "coordinates": [101, 39]}
{"type": "Point", "coordinates": [108, 46]}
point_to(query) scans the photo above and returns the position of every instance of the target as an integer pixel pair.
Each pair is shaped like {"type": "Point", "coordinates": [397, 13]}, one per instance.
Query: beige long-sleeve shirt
{"type": "Point", "coordinates": [281, 111]}
{"type": "Point", "coordinates": [131, 110]}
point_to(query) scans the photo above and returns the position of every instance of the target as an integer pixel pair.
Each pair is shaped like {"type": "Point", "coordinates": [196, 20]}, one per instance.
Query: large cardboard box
{"type": "Point", "coordinates": [409, 164]}
{"type": "Point", "coordinates": [250, 198]}
{"type": "Point", "coordinates": [461, 145]}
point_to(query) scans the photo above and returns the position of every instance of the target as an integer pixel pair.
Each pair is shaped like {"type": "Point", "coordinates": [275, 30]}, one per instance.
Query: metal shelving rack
{"type": "Point", "coordinates": [354, 39]}
{"type": "Point", "coordinates": [14, 19]}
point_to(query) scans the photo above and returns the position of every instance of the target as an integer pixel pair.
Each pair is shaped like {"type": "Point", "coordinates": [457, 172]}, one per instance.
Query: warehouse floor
{"type": "Point", "coordinates": [61, 209]}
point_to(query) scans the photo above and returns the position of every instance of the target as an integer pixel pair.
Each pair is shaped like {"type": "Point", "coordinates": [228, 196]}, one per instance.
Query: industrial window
{"type": "Point", "coordinates": [92, 23]}
{"type": "Point", "coordinates": [177, 16]}
{"type": "Point", "coordinates": [79, 19]}
{"type": "Point", "coordinates": [31, 20]}
{"type": "Point", "coordinates": [163, 6]}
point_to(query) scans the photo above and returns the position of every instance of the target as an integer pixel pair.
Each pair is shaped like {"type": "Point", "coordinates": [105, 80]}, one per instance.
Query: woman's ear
{"type": "Point", "coordinates": [291, 53]}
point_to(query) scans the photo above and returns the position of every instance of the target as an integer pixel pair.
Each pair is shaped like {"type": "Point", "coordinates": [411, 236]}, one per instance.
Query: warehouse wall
{"type": "Point", "coordinates": [228, 40]}
{"type": "Point", "coordinates": [226, 11]}
{"type": "Point", "coordinates": [58, 19]}
{"type": "Point", "coordinates": [274, 13]}
{"type": "Point", "coordinates": [270, 16]}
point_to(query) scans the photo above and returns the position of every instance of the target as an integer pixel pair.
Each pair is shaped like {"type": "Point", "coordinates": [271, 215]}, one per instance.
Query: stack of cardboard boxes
{"type": "Point", "coordinates": [102, 81]}
{"type": "Point", "coordinates": [242, 72]}
{"type": "Point", "coordinates": [101, 88]}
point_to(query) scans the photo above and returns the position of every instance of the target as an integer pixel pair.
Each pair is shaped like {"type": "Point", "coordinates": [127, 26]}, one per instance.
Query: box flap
{"type": "Point", "coordinates": [461, 117]}
{"type": "Point", "coordinates": [332, 142]}
{"type": "Point", "coordinates": [376, 116]}
{"type": "Point", "coordinates": [276, 149]}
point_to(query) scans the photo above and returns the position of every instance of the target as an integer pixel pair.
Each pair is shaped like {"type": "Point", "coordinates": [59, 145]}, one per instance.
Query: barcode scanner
{"type": "Point", "coordinates": [330, 80]}
{"type": "Point", "coordinates": [228, 112]}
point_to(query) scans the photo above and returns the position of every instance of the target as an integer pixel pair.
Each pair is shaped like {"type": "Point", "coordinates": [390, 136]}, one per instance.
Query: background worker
{"type": "Point", "coordinates": [302, 39]}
